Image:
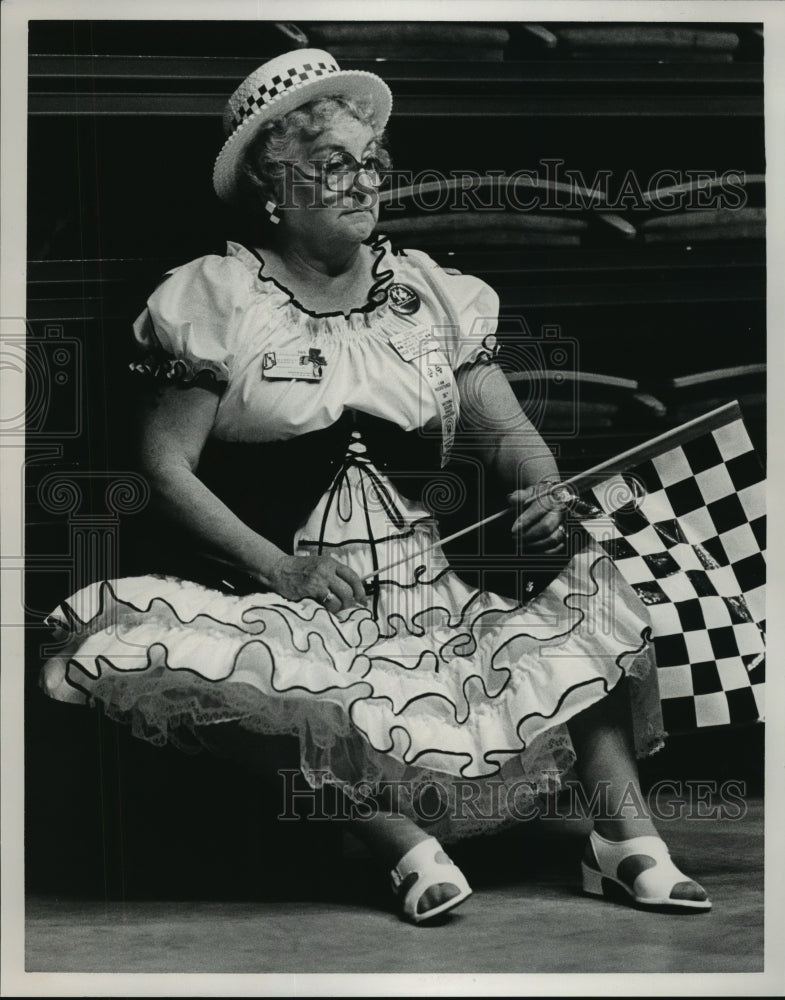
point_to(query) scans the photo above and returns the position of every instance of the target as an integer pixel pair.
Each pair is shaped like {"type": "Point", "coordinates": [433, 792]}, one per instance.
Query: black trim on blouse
{"type": "Point", "coordinates": [377, 294]}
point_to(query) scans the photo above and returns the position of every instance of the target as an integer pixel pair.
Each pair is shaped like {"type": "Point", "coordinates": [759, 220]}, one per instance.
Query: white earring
{"type": "Point", "coordinates": [270, 208]}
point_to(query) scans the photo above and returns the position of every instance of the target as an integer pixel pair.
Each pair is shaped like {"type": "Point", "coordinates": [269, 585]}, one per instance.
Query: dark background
{"type": "Point", "coordinates": [124, 125]}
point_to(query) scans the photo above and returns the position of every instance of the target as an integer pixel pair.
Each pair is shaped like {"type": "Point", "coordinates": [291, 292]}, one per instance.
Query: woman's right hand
{"type": "Point", "coordinates": [322, 578]}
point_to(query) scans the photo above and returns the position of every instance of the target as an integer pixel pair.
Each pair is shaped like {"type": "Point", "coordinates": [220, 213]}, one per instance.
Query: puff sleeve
{"type": "Point", "coordinates": [189, 328]}
{"type": "Point", "coordinates": [471, 306]}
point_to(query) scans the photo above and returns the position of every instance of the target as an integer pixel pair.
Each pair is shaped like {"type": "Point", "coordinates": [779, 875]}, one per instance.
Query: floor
{"type": "Point", "coordinates": [526, 915]}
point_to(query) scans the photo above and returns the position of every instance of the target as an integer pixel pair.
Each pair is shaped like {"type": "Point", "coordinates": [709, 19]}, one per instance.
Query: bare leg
{"type": "Point", "coordinates": [602, 737]}
{"type": "Point", "coordinates": [389, 835]}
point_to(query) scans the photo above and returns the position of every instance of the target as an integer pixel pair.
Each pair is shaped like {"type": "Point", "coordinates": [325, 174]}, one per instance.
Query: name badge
{"type": "Point", "coordinates": [414, 344]}
{"type": "Point", "coordinates": [306, 365]}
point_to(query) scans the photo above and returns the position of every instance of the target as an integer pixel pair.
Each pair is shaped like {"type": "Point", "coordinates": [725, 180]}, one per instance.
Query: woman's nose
{"type": "Point", "coordinates": [363, 190]}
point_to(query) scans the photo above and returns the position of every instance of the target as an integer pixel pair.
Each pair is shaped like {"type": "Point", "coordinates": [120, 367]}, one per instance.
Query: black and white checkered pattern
{"type": "Point", "coordinates": [280, 83]}
{"type": "Point", "coordinates": [283, 83]}
{"type": "Point", "coordinates": [691, 544]}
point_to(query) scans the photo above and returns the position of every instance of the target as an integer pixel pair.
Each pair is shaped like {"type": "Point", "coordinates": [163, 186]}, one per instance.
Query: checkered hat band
{"type": "Point", "coordinates": [279, 84]}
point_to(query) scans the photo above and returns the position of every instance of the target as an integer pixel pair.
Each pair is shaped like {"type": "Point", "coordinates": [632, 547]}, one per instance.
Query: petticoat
{"type": "Point", "coordinates": [436, 683]}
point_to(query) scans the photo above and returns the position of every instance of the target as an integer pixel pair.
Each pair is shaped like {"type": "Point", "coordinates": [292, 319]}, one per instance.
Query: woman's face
{"type": "Point", "coordinates": [315, 212]}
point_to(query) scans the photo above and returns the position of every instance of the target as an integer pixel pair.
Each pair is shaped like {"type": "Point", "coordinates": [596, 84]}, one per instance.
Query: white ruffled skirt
{"type": "Point", "coordinates": [437, 683]}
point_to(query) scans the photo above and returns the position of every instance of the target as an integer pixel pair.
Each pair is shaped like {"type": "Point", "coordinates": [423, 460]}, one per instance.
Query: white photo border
{"type": "Point", "coordinates": [14, 981]}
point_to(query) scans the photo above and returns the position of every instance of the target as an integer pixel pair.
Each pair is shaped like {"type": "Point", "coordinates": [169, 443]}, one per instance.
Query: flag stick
{"type": "Point", "coordinates": [618, 463]}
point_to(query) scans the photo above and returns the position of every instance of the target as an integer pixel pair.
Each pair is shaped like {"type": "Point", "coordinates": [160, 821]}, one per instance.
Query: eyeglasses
{"type": "Point", "coordinates": [339, 172]}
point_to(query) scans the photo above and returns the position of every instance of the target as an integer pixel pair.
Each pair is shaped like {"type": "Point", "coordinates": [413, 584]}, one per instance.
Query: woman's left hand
{"type": "Point", "coordinates": [540, 522]}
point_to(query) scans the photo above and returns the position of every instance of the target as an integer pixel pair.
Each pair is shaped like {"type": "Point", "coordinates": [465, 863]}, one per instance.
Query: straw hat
{"type": "Point", "coordinates": [284, 83]}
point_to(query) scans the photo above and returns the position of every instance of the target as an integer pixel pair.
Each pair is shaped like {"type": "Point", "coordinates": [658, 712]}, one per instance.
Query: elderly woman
{"type": "Point", "coordinates": [306, 383]}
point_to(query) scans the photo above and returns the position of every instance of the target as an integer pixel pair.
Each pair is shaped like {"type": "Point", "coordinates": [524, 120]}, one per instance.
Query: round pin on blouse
{"type": "Point", "coordinates": [403, 299]}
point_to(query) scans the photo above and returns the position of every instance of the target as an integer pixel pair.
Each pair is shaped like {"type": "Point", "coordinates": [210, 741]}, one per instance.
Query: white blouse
{"type": "Point", "coordinates": [224, 315]}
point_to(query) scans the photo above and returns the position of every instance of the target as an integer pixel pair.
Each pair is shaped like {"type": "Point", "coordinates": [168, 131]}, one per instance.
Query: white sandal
{"type": "Point", "coordinates": [431, 865]}
{"type": "Point", "coordinates": [642, 867]}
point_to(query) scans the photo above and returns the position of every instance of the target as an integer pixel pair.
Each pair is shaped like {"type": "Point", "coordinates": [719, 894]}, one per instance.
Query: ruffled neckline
{"type": "Point", "coordinates": [377, 297]}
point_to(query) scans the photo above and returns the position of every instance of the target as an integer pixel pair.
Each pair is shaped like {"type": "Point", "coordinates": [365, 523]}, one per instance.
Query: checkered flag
{"type": "Point", "coordinates": [683, 518]}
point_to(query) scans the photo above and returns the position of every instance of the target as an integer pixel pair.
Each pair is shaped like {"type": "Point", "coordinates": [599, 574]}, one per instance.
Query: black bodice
{"type": "Point", "coordinates": [273, 486]}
